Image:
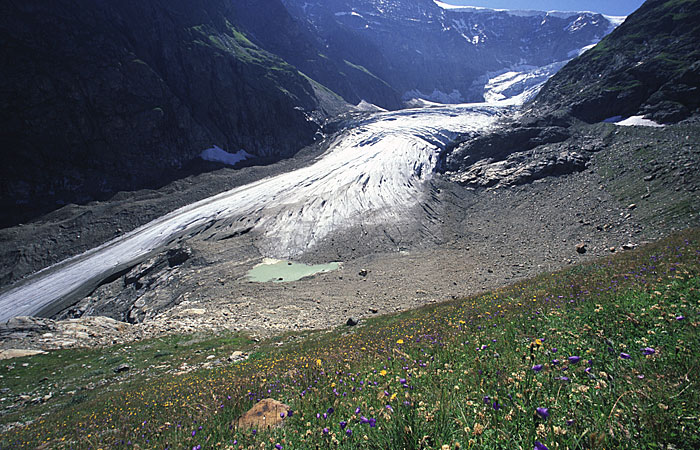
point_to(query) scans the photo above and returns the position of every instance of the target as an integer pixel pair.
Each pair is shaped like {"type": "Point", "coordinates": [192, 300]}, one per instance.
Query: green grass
{"type": "Point", "coordinates": [430, 378]}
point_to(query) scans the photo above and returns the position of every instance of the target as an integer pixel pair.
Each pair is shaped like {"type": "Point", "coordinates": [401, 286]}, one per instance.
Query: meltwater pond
{"type": "Point", "coordinates": [282, 271]}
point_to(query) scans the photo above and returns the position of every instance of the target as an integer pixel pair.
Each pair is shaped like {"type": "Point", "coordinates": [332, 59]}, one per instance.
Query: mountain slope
{"type": "Point", "coordinates": [649, 65]}
{"type": "Point", "coordinates": [110, 96]}
{"type": "Point", "coordinates": [426, 51]}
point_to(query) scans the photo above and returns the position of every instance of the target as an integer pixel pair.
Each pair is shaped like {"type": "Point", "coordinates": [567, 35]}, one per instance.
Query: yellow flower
{"type": "Point", "coordinates": [382, 372]}
{"type": "Point", "coordinates": [400, 341]}
{"type": "Point", "coordinates": [538, 342]}
{"type": "Point", "coordinates": [318, 362]}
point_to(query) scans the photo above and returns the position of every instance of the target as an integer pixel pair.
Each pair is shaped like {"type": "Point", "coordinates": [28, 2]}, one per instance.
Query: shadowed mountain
{"type": "Point", "coordinates": [650, 65]}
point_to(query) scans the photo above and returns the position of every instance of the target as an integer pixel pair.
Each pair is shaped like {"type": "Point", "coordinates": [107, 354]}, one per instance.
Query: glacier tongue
{"type": "Point", "coordinates": [373, 173]}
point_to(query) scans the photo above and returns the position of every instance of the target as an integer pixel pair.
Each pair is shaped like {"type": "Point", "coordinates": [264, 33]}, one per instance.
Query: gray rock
{"type": "Point", "coordinates": [352, 321]}
{"type": "Point", "coordinates": [122, 368]}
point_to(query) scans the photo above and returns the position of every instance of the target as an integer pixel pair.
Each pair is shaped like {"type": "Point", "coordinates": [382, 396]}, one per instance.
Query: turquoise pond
{"type": "Point", "coordinates": [284, 271]}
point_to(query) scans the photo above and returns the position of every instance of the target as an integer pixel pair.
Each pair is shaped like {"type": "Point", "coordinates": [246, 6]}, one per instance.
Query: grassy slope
{"type": "Point", "coordinates": [457, 374]}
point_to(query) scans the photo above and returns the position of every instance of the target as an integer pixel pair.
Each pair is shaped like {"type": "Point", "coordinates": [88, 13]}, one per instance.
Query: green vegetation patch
{"type": "Point", "coordinates": [603, 355]}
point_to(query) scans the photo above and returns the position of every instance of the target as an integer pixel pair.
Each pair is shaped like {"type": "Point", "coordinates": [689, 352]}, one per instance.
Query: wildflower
{"type": "Point", "coordinates": [357, 410]}
{"type": "Point", "coordinates": [648, 351]}
{"type": "Point", "coordinates": [540, 446]}
{"type": "Point", "coordinates": [574, 359]}
{"type": "Point", "coordinates": [624, 355]}
{"type": "Point", "coordinates": [343, 424]}
{"type": "Point", "coordinates": [382, 372]}
{"type": "Point", "coordinates": [348, 432]}
{"type": "Point", "coordinates": [496, 405]}
{"type": "Point", "coordinates": [555, 362]}
{"type": "Point", "coordinates": [290, 413]}
{"type": "Point", "coordinates": [278, 446]}
{"type": "Point", "coordinates": [487, 399]}
{"type": "Point", "coordinates": [372, 422]}
{"type": "Point", "coordinates": [543, 412]}
{"type": "Point", "coordinates": [538, 342]}
{"type": "Point", "coordinates": [400, 341]}
{"type": "Point", "coordinates": [680, 317]}
{"type": "Point", "coordinates": [326, 431]}
{"type": "Point", "coordinates": [537, 367]}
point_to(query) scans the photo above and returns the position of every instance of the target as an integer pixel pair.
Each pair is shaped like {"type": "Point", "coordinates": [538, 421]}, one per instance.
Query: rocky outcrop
{"type": "Point", "coordinates": [650, 65]}
{"type": "Point", "coordinates": [108, 96]}
{"type": "Point", "coordinates": [139, 293]}
{"type": "Point", "coordinates": [520, 168]}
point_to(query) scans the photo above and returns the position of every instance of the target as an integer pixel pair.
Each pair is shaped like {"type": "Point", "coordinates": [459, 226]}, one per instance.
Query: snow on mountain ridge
{"type": "Point", "coordinates": [614, 20]}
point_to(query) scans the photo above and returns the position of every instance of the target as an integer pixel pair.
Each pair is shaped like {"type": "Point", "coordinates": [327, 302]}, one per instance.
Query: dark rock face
{"type": "Point", "coordinates": [422, 50]}
{"type": "Point", "coordinates": [650, 65]}
{"type": "Point", "coordinates": [107, 96]}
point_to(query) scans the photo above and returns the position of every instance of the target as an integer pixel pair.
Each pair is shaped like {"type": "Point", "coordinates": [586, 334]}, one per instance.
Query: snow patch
{"type": "Point", "coordinates": [632, 121]}
{"type": "Point", "coordinates": [217, 154]}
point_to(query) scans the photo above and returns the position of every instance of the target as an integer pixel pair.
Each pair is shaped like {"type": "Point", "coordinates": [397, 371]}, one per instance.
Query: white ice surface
{"type": "Point", "coordinates": [372, 174]}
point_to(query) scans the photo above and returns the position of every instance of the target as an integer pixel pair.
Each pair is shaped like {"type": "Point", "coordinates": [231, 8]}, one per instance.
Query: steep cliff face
{"type": "Point", "coordinates": [439, 53]}
{"type": "Point", "coordinates": [105, 96]}
{"type": "Point", "coordinates": [650, 65]}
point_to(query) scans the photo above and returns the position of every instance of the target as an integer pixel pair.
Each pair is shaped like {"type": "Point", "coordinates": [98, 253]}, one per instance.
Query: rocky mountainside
{"type": "Point", "coordinates": [423, 50]}
{"type": "Point", "coordinates": [104, 96]}
{"type": "Point", "coordinates": [650, 65]}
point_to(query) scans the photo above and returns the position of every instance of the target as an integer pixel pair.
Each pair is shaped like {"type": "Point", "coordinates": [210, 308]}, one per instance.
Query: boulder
{"type": "Point", "coordinates": [18, 353]}
{"type": "Point", "coordinates": [267, 413]}
{"type": "Point", "coordinates": [581, 248]}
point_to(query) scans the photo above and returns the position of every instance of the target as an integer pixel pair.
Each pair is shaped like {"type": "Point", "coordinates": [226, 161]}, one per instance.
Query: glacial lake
{"type": "Point", "coordinates": [284, 271]}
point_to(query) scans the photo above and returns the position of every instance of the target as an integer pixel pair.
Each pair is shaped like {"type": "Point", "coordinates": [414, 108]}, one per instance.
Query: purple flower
{"type": "Point", "coordinates": [554, 350]}
{"type": "Point", "coordinates": [326, 431]}
{"type": "Point", "coordinates": [348, 432]}
{"type": "Point", "coordinates": [537, 367]}
{"type": "Point", "coordinates": [540, 446]}
{"type": "Point", "coordinates": [487, 399]}
{"type": "Point", "coordinates": [343, 424]}
{"type": "Point", "coordinates": [372, 422]}
{"type": "Point", "coordinates": [357, 410]}
{"type": "Point", "coordinates": [281, 415]}
{"type": "Point", "coordinates": [680, 317]}
{"type": "Point", "coordinates": [648, 351]}
{"type": "Point", "coordinates": [543, 412]}
{"type": "Point", "coordinates": [555, 362]}
{"type": "Point", "coordinates": [290, 413]}
{"type": "Point", "coordinates": [278, 446]}
{"type": "Point", "coordinates": [330, 411]}
{"type": "Point", "coordinates": [624, 355]}
{"type": "Point", "coordinates": [363, 419]}
{"type": "Point", "coordinates": [194, 432]}
{"type": "Point", "coordinates": [496, 405]}
{"type": "Point", "coordinates": [574, 359]}
{"type": "Point", "coordinates": [402, 381]}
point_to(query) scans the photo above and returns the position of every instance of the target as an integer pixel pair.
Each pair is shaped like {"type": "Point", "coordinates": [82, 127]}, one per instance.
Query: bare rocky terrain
{"type": "Point", "coordinates": [638, 184]}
